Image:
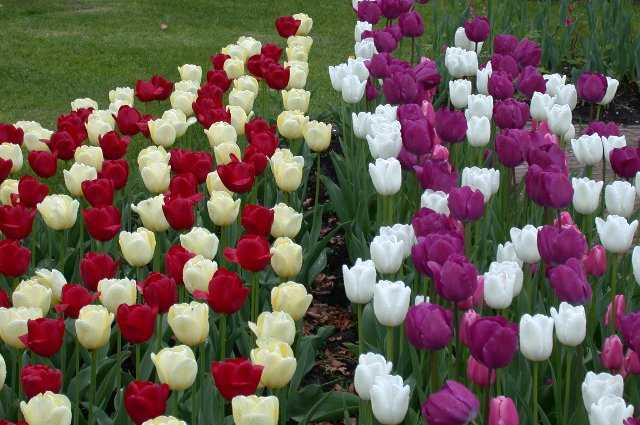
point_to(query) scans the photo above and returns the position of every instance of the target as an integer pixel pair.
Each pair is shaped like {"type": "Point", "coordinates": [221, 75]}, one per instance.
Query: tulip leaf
{"type": "Point", "coordinates": [8, 402]}
{"type": "Point", "coordinates": [306, 349]}
{"type": "Point", "coordinates": [332, 407]}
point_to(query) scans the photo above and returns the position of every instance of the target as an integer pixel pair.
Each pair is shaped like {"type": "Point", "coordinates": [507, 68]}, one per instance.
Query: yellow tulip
{"type": "Point", "coordinates": [278, 362]}
{"type": "Point", "coordinates": [292, 298]}
{"type": "Point", "coordinates": [254, 410]}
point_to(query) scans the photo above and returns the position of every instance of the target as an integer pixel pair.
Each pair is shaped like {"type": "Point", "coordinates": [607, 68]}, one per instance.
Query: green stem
{"type": "Point", "coordinates": [458, 345]}
{"type": "Point", "coordinates": [614, 284]}
{"type": "Point", "coordinates": [137, 361]}
{"type": "Point", "coordinates": [223, 336]}
{"type": "Point", "coordinates": [118, 361]}
{"type": "Point", "coordinates": [92, 418]}
{"type": "Point", "coordinates": [567, 387]}
{"type": "Point", "coordinates": [282, 397]}
{"type": "Point", "coordinates": [433, 372]}
{"type": "Point", "coordinates": [534, 389]}
{"type": "Point", "coordinates": [255, 293]}
{"type": "Point", "coordinates": [390, 343]}
{"type": "Point", "coordinates": [318, 174]}
{"type": "Point", "coordinates": [76, 406]}
{"type": "Point", "coordinates": [360, 310]}
{"type": "Point", "coordinates": [158, 334]}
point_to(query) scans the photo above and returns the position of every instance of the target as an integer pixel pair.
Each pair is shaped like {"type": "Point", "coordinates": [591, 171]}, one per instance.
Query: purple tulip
{"type": "Point", "coordinates": [505, 44]}
{"type": "Point", "coordinates": [427, 73]}
{"type": "Point", "coordinates": [505, 63]}
{"type": "Point", "coordinates": [510, 113]}
{"type": "Point", "coordinates": [453, 404]}
{"type": "Point", "coordinates": [411, 24]}
{"type": "Point", "coordinates": [437, 175]}
{"type": "Point", "coordinates": [477, 29]}
{"type": "Point", "coordinates": [569, 282]}
{"type": "Point", "coordinates": [435, 247]}
{"type": "Point", "coordinates": [391, 9]}
{"type": "Point", "coordinates": [456, 279]}
{"type": "Point", "coordinates": [527, 52]}
{"type": "Point", "coordinates": [384, 41]}
{"type": "Point", "coordinates": [531, 81]}
{"type": "Point", "coordinates": [595, 262]}
{"type": "Point", "coordinates": [603, 129]}
{"type": "Point", "coordinates": [409, 112]}
{"type": "Point", "coordinates": [401, 87]}
{"type": "Point", "coordinates": [632, 421]}
{"type": "Point", "coordinates": [369, 11]}
{"type": "Point", "coordinates": [592, 87]}
{"type": "Point", "coordinates": [500, 85]}
{"type": "Point", "coordinates": [625, 161]}
{"type": "Point", "coordinates": [612, 354]}
{"type": "Point", "coordinates": [630, 330]}
{"type": "Point", "coordinates": [549, 157]}
{"type": "Point", "coordinates": [493, 341]}
{"type": "Point", "coordinates": [466, 204]}
{"type": "Point", "coordinates": [395, 31]}
{"type": "Point", "coordinates": [408, 160]}
{"type": "Point", "coordinates": [417, 135]}
{"type": "Point", "coordinates": [479, 373]}
{"type": "Point", "coordinates": [451, 125]}
{"type": "Point", "coordinates": [370, 91]}
{"type": "Point", "coordinates": [426, 221]}
{"type": "Point", "coordinates": [511, 145]}
{"type": "Point", "coordinates": [548, 188]}
{"type": "Point", "coordinates": [557, 244]}
{"type": "Point", "coordinates": [378, 66]}
{"type": "Point", "coordinates": [428, 326]}
{"type": "Point", "coordinates": [503, 411]}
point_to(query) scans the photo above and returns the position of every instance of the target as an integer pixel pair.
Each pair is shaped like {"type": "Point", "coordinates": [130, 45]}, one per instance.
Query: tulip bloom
{"type": "Point", "coordinates": [16, 221]}
{"type": "Point", "coordinates": [226, 292]}
{"type": "Point", "coordinates": [43, 163]}
{"type": "Point", "coordinates": [136, 322]}
{"type": "Point", "coordinates": [145, 400]}
{"type": "Point", "coordinates": [493, 341]}
{"type": "Point", "coordinates": [234, 377]}
{"type": "Point", "coordinates": [44, 336]}
{"type": "Point", "coordinates": [31, 192]}
{"type": "Point", "coordinates": [102, 223]}
{"type": "Point", "coordinates": [570, 324]}
{"type": "Point", "coordinates": [257, 219]}
{"type": "Point", "coordinates": [479, 373]}
{"type": "Point", "coordinates": [453, 404]}
{"type": "Point", "coordinates": [117, 171]}
{"type": "Point", "coordinates": [158, 88]}
{"type": "Point", "coordinates": [536, 337]}
{"type": "Point", "coordinates": [503, 411]}
{"type": "Point", "coordinates": [251, 253]}
{"type": "Point", "coordinates": [237, 176]}
{"type": "Point", "coordinates": [466, 204]}
{"type": "Point", "coordinates": [14, 258]}
{"type": "Point", "coordinates": [96, 266]}
{"type": "Point", "coordinates": [429, 326]}
{"type": "Point", "coordinates": [73, 298]}
{"type": "Point", "coordinates": [159, 291]}
{"type": "Point", "coordinates": [39, 378]}
{"type": "Point", "coordinates": [389, 399]}
{"type": "Point", "coordinates": [174, 260]}
{"type": "Point", "coordinates": [98, 192]}
{"type": "Point", "coordinates": [176, 366]}
{"type": "Point", "coordinates": [179, 211]}
{"type": "Point", "coordinates": [592, 87]}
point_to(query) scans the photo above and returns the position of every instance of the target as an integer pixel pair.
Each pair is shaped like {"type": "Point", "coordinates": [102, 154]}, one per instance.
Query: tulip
{"type": "Point", "coordinates": [389, 399]}
{"type": "Point", "coordinates": [291, 298]}
{"type": "Point", "coordinates": [478, 131]}
{"type": "Point", "coordinates": [251, 252]}
{"type": "Point", "coordinates": [609, 144]}
{"type": "Point", "coordinates": [459, 92]}
{"type": "Point", "coordinates": [14, 258]}
{"type": "Point", "coordinates": [145, 400]}
{"type": "Point", "coordinates": [159, 291]}
{"type": "Point", "coordinates": [97, 266]}
{"type": "Point", "coordinates": [214, 184]}
{"type": "Point", "coordinates": [93, 326]}
{"type": "Point", "coordinates": [201, 242]}
{"type": "Point", "coordinates": [47, 409]}
{"type": "Point", "coordinates": [536, 337]}
{"type": "Point", "coordinates": [386, 176]}
{"type": "Point", "coordinates": [428, 326]}
{"type": "Point", "coordinates": [525, 243]}
{"type": "Point", "coordinates": [586, 194]}
{"type": "Point", "coordinates": [176, 367]}
{"type": "Point", "coordinates": [479, 373]}
{"type": "Point", "coordinates": [370, 366]}
{"type": "Point", "coordinates": [615, 233]}
{"type": "Point", "coordinates": [629, 329]}
{"type": "Point", "coordinates": [278, 361]}
{"type": "Point", "coordinates": [286, 221]}
{"type": "Point", "coordinates": [453, 404]}
{"type": "Point", "coordinates": [550, 189]}
{"type": "Point", "coordinates": [156, 177]}
{"type": "Point", "coordinates": [257, 219]}
{"type": "Point", "coordinates": [384, 140]}
{"type": "Point", "coordinates": [507, 252]}
{"type": "Point", "coordinates": [30, 293]}
{"type": "Point", "coordinates": [499, 288]}
{"type": "Point", "coordinates": [493, 341]}
{"type": "Point", "coordinates": [73, 298]}
{"type": "Point", "coordinates": [540, 105]}
{"type": "Point", "coordinates": [286, 257]}
{"type": "Point", "coordinates": [612, 88]}
{"type": "Point", "coordinates": [38, 379]}
{"type": "Point", "coordinates": [359, 281]}
{"type": "Point", "coordinates": [612, 356]}
{"type": "Point", "coordinates": [437, 201]}
{"type": "Point", "coordinates": [296, 100]}
{"type": "Point", "coordinates": [44, 336]}
{"type": "Point", "coordinates": [391, 302]}
{"type": "Point", "coordinates": [117, 171]}
{"type": "Point", "coordinates": [14, 324]}
{"type": "Point", "coordinates": [278, 325]}
{"type": "Point", "coordinates": [137, 247]}
{"type": "Point", "coordinates": [13, 153]}
{"type": "Point", "coordinates": [78, 173]}
{"type": "Point", "coordinates": [317, 135]}
{"type": "Point", "coordinates": [387, 253]}
{"type": "Point", "coordinates": [189, 322]}
{"type": "Point", "coordinates": [136, 322]}
{"type": "Point", "coordinates": [236, 377]}
{"type": "Point", "coordinates": [43, 163]}
{"type": "Point", "coordinates": [221, 132]}
{"type": "Point", "coordinates": [559, 119]}
{"type": "Point", "coordinates": [592, 87]}
{"type": "Point", "coordinates": [114, 292]}
{"type": "Point", "coordinates": [466, 204]}
{"type": "Point", "coordinates": [557, 245]}
{"type": "Point", "coordinates": [597, 386]}
{"type": "Point", "coordinates": [102, 223]}
{"type": "Point", "coordinates": [403, 232]}
{"type": "Point", "coordinates": [164, 420]}
{"type": "Point", "coordinates": [248, 410]}
{"type": "Point", "coordinates": [503, 411]}
{"type": "Point", "coordinates": [460, 63]}
{"type": "Point", "coordinates": [570, 324]}
{"type": "Point", "coordinates": [287, 170]}
{"type": "Point", "coordinates": [619, 198]}
{"type": "Point", "coordinates": [89, 155]}
{"type": "Point", "coordinates": [222, 208]}
{"type": "Point", "coordinates": [609, 409]}
{"type": "Point", "coordinates": [16, 221]}
{"type": "Point", "coordinates": [150, 212]}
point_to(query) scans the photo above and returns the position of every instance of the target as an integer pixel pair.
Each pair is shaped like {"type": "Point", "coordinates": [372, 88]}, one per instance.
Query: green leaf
{"type": "Point", "coordinates": [332, 408]}
{"type": "Point", "coordinates": [305, 351]}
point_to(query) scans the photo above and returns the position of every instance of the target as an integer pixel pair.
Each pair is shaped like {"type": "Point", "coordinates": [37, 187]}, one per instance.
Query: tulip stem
{"type": "Point", "coordinates": [92, 418]}
{"type": "Point", "coordinates": [137, 361]}
{"type": "Point", "coordinates": [360, 310]}
{"type": "Point", "coordinates": [614, 283]}
{"type": "Point", "coordinates": [119, 365]}
{"type": "Point", "coordinates": [76, 407]}
{"type": "Point", "coordinates": [254, 297]}
{"type": "Point", "coordinates": [413, 49]}
{"type": "Point", "coordinates": [390, 343]}
{"type": "Point", "coordinates": [567, 387]}
{"type": "Point", "coordinates": [282, 398]}
{"type": "Point", "coordinates": [459, 361]}
{"type": "Point", "coordinates": [158, 332]}
{"type": "Point", "coordinates": [65, 238]}
{"type": "Point", "coordinates": [318, 174]}
{"type": "Point", "coordinates": [534, 389]}
{"type": "Point", "coordinates": [433, 372]}
{"type": "Point", "coordinates": [223, 336]}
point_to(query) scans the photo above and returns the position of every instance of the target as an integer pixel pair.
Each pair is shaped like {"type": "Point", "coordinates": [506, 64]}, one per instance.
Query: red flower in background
{"type": "Point", "coordinates": [63, 145]}
{"type": "Point", "coordinates": [11, 134]}
{"type": "Point", "coordinates": [113, 146]}
{"type": "Point", "coordinates": [159, 291]}
{"type": "Point", "coordinates": [218, 60]}
{"type": "Point", "coordinates": [235, 377]}
{"type": "Point", "coordinates": [31, 191]}
{"type": "Point", "coordinates": [277, 76]}
{"type": "Point", "coordinates": [145, 400]}
{"type": "Point", "coordinates": [14, 258]}
{"type": "Point", "coordinates": [237, 176]}
{"type": "Point", "coordinates": [157, 88]}
{"type": "Point", "coordinates": [254, 65]}
{"type": "Point", "coordinates": [5, 168]}
{"type": "Point", "coordinates": [74, 124]}
{"type": "Point", "coordinates": [174, 261]}
{"type": "Point", "coordinates": [272, 51]}
{"type": "Point", "coordinates": [44, 336]}
{"type": "Point", "coordinates": [197, 163]}
{"type": "Point", "coordinates": [98, 192]}
{"type": "Point", "coordinates": [179, 211]}
{"type": "Point", "coordinates": [16, 221]}
{"type": "Point", "coordinates": [102, 223]}
{"type": "Point", "coordinates": [43, 163]}
{"type": "Point", "coordinates": [127, 120]}
{"type": "Point", "coordinates": [219, 79]}
{"type": "Point", "coordinates": [39, 378]}
{"type": "Point", "coordinates": [116, 170]}
{"type": "Point", "coordinates": [287, 26]}
{"type": "Point", "coordinates": [210, 96]}
{"type": "Point", "coordinates": [96, 266]}
{"type": "Point", "coordinates": [226, 293]}
{"type": "Point", "coordinates": [73, 298]}
{"type": "Point", "coordinates": [136, 322]}
{"type": "Point", "coordinates": [257, 219]}
{"type": "Point", "coordinates": [251, 253]}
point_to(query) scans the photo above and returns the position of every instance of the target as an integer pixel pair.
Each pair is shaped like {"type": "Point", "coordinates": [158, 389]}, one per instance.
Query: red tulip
{"type": "Point", "coordinates": [43, 163]}
{"type": "Point", "coordinates": [254, 65]}
{"type": "Point", "coordinates": [113, 146]}
{"type": "Point", "coordinates": [235, 377]}
{"type": "Point", "coordinates": [44, 336]}
{"type": "Point", "coordinates": [31, 191]}
{"type": "Point", "coordinates": [158, 88]}
{"type": "Point", "coordinates": [73, 298]}
{"type": "Point", "coordinates": [159, 291]}
{"type": "Point", "coordinates": [5, 168]}
{"type": "Point", "coordinates": [218, 60]}
{"type": "Point", "coordinates": [74, 124]}
{"type": "Point", "coordinates": [287, 26]}
{"type": "Point", "coordinates": [251, 252]}
{"type": "Point", "coordinates": [102, 223]}
{"type": "Point", "coordinates": [237, 176]}
{"type": "Point", "coordinates": [14, 258]}
{"type": "Point", "coordinates": [5, 422]}
{"type": "Point", "coordinates": [265, 141]}
{"type": "Point", "coordinates": [116, 170]}
{"type": "Point", "coordinates": [195, 162]}
{"type": "Point", "coordinates": [11, 134]}
{"type": "Point", "coordinates": [179, 211]}
{"type": "Point", "coordinates": [145, 400]}
{"type": "Point", "coordinates": [277, 76]}
{"type": "Point", "coordinates": [96, 266]}
{"type": "Point", "coordinates": [272, 51]}
{"type": "Point", "coordinates": [257, 125]}
{"type": "Point", "coordinates": [257, 219]}
{"type": "Point", "coordinates": [226, 293]}
{"type": "Point", "coordinates": [63, 145]}
{"type": "Point", "coordinates": [183, 185]}
{"type": "Point", "coordinates": [136, 322]}
{"type": "Point", "coordinates": [16, 221]}
{"type": "Point", "coordinates": [256, 158]}
{"type": "Point", "coordinates": [219, 78]}
{"type": "Point", "coordinates": [4, 299]}
{"type": "Point", "coordinates": [127, 120]}
{"type": "Point", "coordinates": [174, 261]}
{"type": "Point", "coordinates": [143, 125]}
{"type": "Point", "coordinates": [208, 116]}
{"type": "Point", "coordinates": [39, 378]}
{"type": "Point", "coordinates": [98, 192]}
{"type": "Point", "coordinates": [209, 96]}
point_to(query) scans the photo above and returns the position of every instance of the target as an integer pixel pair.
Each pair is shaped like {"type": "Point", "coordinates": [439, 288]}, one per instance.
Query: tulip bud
{"type": "Point", "coordinates": [221, 132]}
{"type": "Point", "coordinates": [359, 281]}
{"type": "Point", "coordinates": [291, 123]}
{"type": "Point", "coordinates": [223, 209]}
{"type": "Point", "coordinates": [286, 257]}
{"type": "Point", "coordinates": [513, 271]}
{"type": "Point", "coordinates": [612, 355]}
{"type": "Point", "coordinates": [436, 318]}
{"type": "Point", "coordinates": [540, 105]}
{"type": "Point", "coordinates": [144, 400]}
{"type": "Point", "coordinates": [189, 322]}
{"type": "Point", "coordinates": [47, 409]}
{"type": "Point", "coordinates": [391, 302]}
{"type": "Point", "coordinates": [586, 194]}
{"type": "Point", "coordinates": [459, 92]}
{"type": "Point", "coordinates": [190, 72]}
{"type": "Point", "coordinates": [570, 324]}
{"type": "Point", "coordinates": [197, 273]}
{"type": "Point", "coordinates": [389, 399]}
{"type": "Point", "coordinates": [287, 169]}
{"type": "Point", "coordinates": [176, 367]}
{"type": "Point", "coordinates": [249, 410]}
{"type": "Point", "coordinates": [93, 326]}
{"type": "Point", "coordinates": [478, 131]}
{"type": "Point", "coordinates": [150, 212]}
{"type": "Point", "coordinates": [386, 175]}
{"type": "Point", "coordinates": [296, 100]}
{"type": "Point", "coordinates": [278, 361]}
{"type": "Point", "coordinates": [619, 198]}
{"type": "Point", "coordinates": [503, 411]}
{"type": "Point", "coordinates": [616, 233]}
{"type": "Point", "coordinates": [479, 373]}
{"type": "Point", "coordinates": [277, 325]}
{"type": "Point", "coordinates": [114, 292]}
{"type": "Point", "coordinates": [152, 155]}
{"type": "Point", "coordinates": [536, 337]}
{"type": "Point", "coordinates": [137, 247]}
{"type": "Point", "coordinates": [525, 243]}
{"type": "Point", "coordinates": [200, 241]}
{"type": "Point", "coordinates": [317, 135]}
{"type": "Point", "coordinates": [597, 386]}
{"type": "Point", "coordinates": [559, 119]}
{"type": "Point", "coordinates": [14, 324]}
{"type": "Point", "coordinates": [498, 289]}
{"type": "Point", "coordinates": [587, 149]}
{"type": "Point", "coordinates": [286, 221]}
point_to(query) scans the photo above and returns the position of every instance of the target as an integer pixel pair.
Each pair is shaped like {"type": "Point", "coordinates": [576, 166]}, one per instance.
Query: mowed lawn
{"type": "Point", "coordinates": [56, 51]}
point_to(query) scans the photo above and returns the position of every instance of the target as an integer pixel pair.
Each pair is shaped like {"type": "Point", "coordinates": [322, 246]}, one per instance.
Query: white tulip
{"type": "Point", "coordinates": [386, 175]}
{"type": "Point", "coordinates": [525, 241]}
{"type": "Point", "coordinates": [612, 88]}
{"type": "Point", "coordinates": [478, 131]}
{"type": "Point", "coordinates": [587, 149]}
{"type": "Point", "coordinates": [619, 198]}
{"type": "Point", "coordinates": [609, 410]}
{"type": "Point", "coordinates": [594, 387]}
{"type": "Point", "coordinates": [540, 104]}
{"type": "Point", "coordinates": [391, 302]}
{"type": "Point", "coordinates": [387, 253]}
{"type": "Point", "coordinates": [370, 366]}
{"type": "Point", "coordinates": [586, 194]}
{"type": "Point", "coordinates": [459, 92]}
{"type": "Point", "coordinates": [570, 323]}
{"type": "Point", "coordinates": [359, 281]}
{"type": "Point", "coordinates": [536, 337]}
{"type": "Point", "coordinates": [486, 180]}
{"type": "Point", "coordinates": [435, 200]}
{"type": "Point", "coordinates": [389, 399]}
{"type": "Point", "coordinates": [559, 118]}
{"type": "Point", "coordinates": [616, 233]}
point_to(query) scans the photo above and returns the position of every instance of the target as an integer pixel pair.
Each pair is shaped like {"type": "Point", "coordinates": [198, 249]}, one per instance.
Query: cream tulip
{"type": "Point", "coordinates": [124, 94]}
{"type": "Point", "coordinates": [12, 151]}
{"type": "Point", "coordinates": [287, 170]}
{"type": "Point", "coordinates": [238, 118]}
{"type": "Point", "coordinates": [156, 177]}
{"type": "Point", "coordinates": [286, 257]}
{"type": "Point", "coordinates": [190, 72]}
{"type": "Point", "coordinates": [162, 132]}
{"type": "Point", "coordinates": [296, 100]}
{"type": "Point", "coordinates": [223, 209]}
{"type": "Point", "coordinates": [236, 51]}
{"type": "Point", "coordinates": [277, 325]}
{"type": "Point", "coordinates": [254, 410]}
{"type": "Point", "coordinates": [114, 292]}
{"type": "Point", "coordinates": [221, 132]}
{"type": "Point", "coordinates": [297, 53]}
{"type": "Point", "coordinates": [13, 323]}
{"type": "Point", "coordinates": [286, 221]}
{"type": "Point", "coordinates": [234, 68]}
{"type": "Point", "coordinates": [137, 247]}
{"type": "Point", "coordinates": [183, 101]}
{"type": "Point", "coordinates": [83, 103]}
{"type": "Point", "coordinates": [77, 174]}
{"type": "Point", "coordinates": [302, 43]}
{"type": "Point", "coordinates": [298, 73]}
{"type": "Point", "coordinates": [8, 188]}
{"type": "Point", "coordinates": [93, 326]}
{"type": "Point", "coordinates": [247, 83]}
{"type": "Point", "coordinates": [292, 298]}
{"type": "Point", "coordinates": [59, 212]}
{"type": "Point", "coordinates": [89, 155]}
{"type": "Point", "coordinates": [214, 184]}
{"type": "Point", "coordinates": [151, 214]}
{"type": "Point", "coordinates": [151, 155]}
{"type": "Point", "coordinates": [278, 362]}
{"type": "Point", "coordinates": [52, 279]}
{"type": "Point", "coordinates": [306, 23]}
{"type": "Point", "coordinates": [317, 135]}
{"type": "Point", "coordinates": [186, 85]}
{"type": "Point", "coordinates": [200, 241]}
{"type": "Point", "coordinates": [291, 123]}
{"type": "Point", "coordinates": [189, 322]}
{"type": "Point", "coordinates": [164, 420]}
{"type": "Point", "coordinates": [176, 366]}
{"type": "Point", "coordinates": [97, 127]}
{"type": "Point", "coordinates": [30, 293]}
{"type": "Point", "coordinates": [47, 409]}
{"type": "Point", "coordinates": [197, 273]}
{"type": "Point", "coordinates": [242, 98]}
{"type": "Point", "coordinates": [223, 152]}
{"type": "Point", "coordinates": [250, 45]}
{"type": "Point", "coordinates": [435, 200]}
